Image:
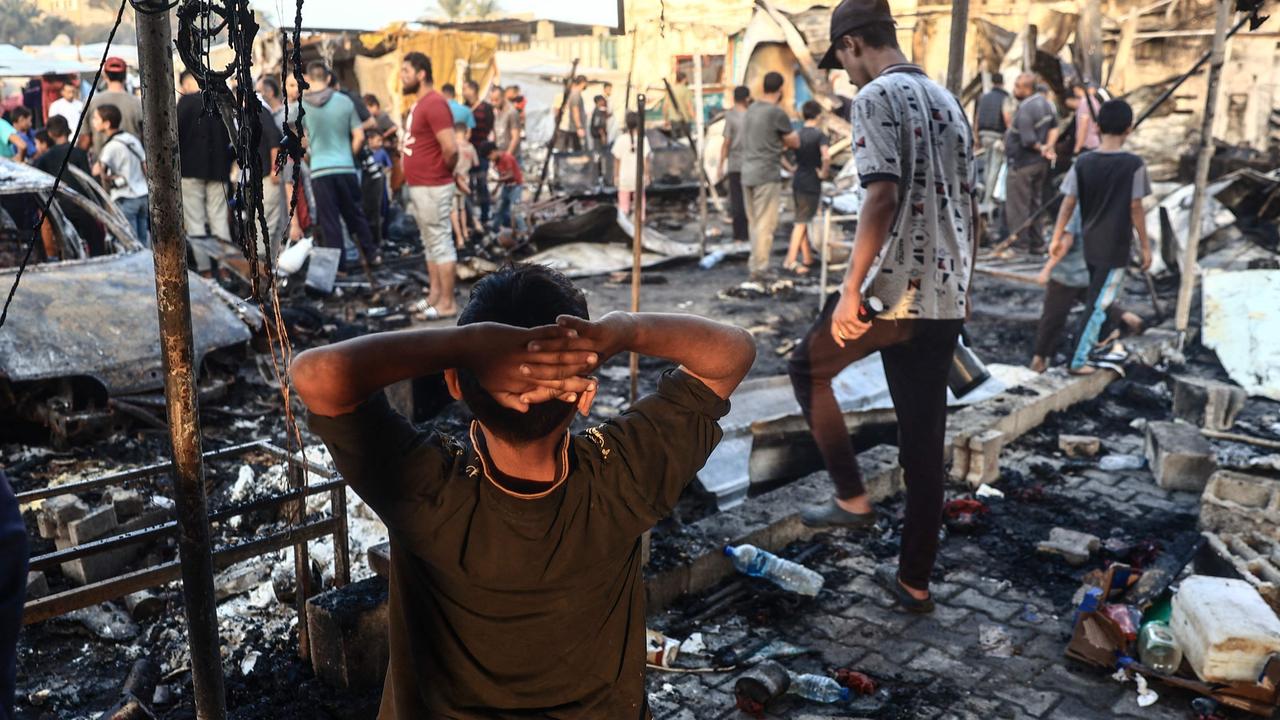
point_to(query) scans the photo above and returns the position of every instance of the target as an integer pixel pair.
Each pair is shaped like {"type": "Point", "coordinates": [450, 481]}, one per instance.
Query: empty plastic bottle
{"type": "Point", "coordinates": [711, 259]}
{"type": "Point", "coordinates": [818, 688]}
{"type": "Point", "coordinates": [787, 575]}
{"type": "Point", "coordinates": [1158, 649]}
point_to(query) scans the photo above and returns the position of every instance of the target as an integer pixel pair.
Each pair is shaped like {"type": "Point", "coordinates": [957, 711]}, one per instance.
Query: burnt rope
{"type": "Point", "coordinates": [57, 179]}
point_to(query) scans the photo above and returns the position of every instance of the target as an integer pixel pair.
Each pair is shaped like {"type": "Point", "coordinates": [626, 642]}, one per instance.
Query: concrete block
{"type": "Point", "coordinates": [1074, 546]}
{"type": "Point", "coordinates": [56, 512]}
{"type": "Point", "coordinates": [128, 503]}
{"type": "Point", "coordinates": [1179, 456]}
{"type": "Point", "coordinates": [984, 457]}
{"type": "Point", "coordinates": [37, 585]}
{"type": "Point", "coordinates": [96, 524]}
{"type": "Point", "coordinates": [240, 578]}
{"type": "Point", "coordinates": [1207, 403]}
{"type": "Point", "coordinates": [348, 629]}
{"type": "Point", "coordinates": [1076, 446]}
{"type": "Point", "coordinates": [1237, 502]}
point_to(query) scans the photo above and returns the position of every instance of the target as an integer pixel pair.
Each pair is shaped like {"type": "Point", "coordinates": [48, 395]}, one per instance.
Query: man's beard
{"type": "Point", "coordinates": [411, 89]}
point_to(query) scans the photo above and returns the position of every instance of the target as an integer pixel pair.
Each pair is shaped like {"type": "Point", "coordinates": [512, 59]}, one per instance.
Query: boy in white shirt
{"type": "Point", "coordinates": [122, 167]}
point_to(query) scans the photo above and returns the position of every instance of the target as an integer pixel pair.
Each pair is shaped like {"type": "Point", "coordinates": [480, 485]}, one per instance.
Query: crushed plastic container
{"type": "Point", "coordinates": [1224, 628]}
{"type": "Point", "coordinates": [818, 688]}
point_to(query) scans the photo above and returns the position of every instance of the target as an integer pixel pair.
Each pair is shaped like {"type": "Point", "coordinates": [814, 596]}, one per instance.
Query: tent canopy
{"type": "Point", "coordinates": [16, 63]}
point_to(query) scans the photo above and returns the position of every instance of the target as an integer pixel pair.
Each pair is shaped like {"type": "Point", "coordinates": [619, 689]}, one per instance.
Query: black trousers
{"type": "Point", "coordinates": [338, 200]}
{"type": "Point", "coordinates": [371, 189]}
{"type": "Point", "coordinates": [1025, 192]}
{"type": "Point", "coordinates": [480, 189]}
{"type": "Point", "coordinates": [917, 356]}
{"type": "Point", "coordinates": [738, 207]}
{"type": "Point", "coordinates": [1058, 301]}
{"type": "Point", "coordinates": [13, 591]}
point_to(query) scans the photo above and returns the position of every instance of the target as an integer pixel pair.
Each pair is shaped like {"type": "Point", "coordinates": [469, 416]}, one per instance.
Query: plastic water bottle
{"type": "Point", "coordinates": [1114, 463]}
{"type": "Point", "coordinates": [790, 576]}
{"type": "Point", "coordinates": [1158, 649]}
{"type": "Point", "coordinates": [711, 259]}
{"type": "Point", "coordinates": [818, 688]}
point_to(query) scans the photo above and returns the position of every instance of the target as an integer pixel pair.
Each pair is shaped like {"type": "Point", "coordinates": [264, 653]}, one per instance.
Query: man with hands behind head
{"type": "Point", "coordinates": [515, 555]}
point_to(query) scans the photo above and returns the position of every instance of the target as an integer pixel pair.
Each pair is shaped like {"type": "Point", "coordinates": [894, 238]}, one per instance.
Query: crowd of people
{"type": "Point", "coordinates": [359, 163]}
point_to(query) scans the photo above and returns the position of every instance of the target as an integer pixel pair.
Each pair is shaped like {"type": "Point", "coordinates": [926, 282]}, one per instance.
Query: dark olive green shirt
{"type": "Point", "coordinates": [507, 603]}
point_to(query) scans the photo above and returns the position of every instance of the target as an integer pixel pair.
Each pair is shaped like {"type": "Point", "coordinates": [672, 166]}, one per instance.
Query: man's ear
{"type": "Point", "coordinates": [451, 382]}
{"type": "Point", "coordinates": [586, 399]}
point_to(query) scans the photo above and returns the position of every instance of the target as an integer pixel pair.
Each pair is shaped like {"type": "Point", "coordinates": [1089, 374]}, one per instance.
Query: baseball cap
{"type": "Point", "coordinates": [849, 16]}
{"type": "Point", "coordinates": [115, 64]}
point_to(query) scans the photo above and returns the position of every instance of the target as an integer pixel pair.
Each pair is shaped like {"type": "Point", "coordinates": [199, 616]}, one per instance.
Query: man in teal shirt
{"type": "Point", "coordinates": [335, 137]}
{"type": "Point", "coordinates": [461, 113]}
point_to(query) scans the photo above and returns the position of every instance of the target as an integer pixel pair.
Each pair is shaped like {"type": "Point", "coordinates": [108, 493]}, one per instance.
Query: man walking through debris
{"type": "Point", "coordinates": [992, 120]}
{"type": "Point", "coordinates": [483, 114]}
{"type": "Point", "coordinates": [571, 133]}
{"type": "Point", "coordinates": [430, 155]}
{"type": "Point", "coordinates": [205, 158]}
{"type": "Point", "coordinates": [913, 251]}
{"type": "Point", "coordinates": [515, 577]}
{"type": "Point", "coordinates": [506, 122]}
{"type": "Point", "coordinates": [336, 137]}
{"type": "Point", "coordinates": [1109, 185]}
{"type": "Point", "coordinates": [677, 110]}
{"type": "Point", "coordinates": [731, 160]}
{"type": "Point", "coordinates": [1029, 144]}
{"type": "Point", "coordinates": [766, 135]}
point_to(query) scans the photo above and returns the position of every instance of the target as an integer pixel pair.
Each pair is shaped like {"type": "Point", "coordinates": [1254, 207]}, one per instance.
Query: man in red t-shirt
{"type": "Point", "coordinates": [429, 157]}
{"type": "Point", "coordinates": [512, 186]}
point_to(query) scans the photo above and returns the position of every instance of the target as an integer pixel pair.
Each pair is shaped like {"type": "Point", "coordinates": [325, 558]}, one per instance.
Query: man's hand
{"type": "Point", "coordinates": [1146, 259]}
{"type": "Point", "coordinates": [604, 338]}
{"type": "Point", "coordinates": [1043, 277]}
{"type": "Point", "coordinates": [845, 325]}
{"type": "Point", "coordinates": [520, 367]}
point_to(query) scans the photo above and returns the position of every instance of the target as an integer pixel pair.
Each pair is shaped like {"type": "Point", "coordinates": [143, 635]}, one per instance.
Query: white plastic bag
{"type": "Point", "coordinates": [291, 260]}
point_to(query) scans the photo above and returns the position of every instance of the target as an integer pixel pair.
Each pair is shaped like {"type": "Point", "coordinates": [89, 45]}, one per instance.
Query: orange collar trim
{"type": "Point", "coordinates": [484, 466]}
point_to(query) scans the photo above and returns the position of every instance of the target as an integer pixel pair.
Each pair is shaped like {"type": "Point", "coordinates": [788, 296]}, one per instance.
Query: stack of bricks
{"type": "Point", "coordinates": [69, 521]}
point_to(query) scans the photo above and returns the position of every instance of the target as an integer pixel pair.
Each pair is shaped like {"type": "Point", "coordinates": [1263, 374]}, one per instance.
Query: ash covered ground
{"type": "Point", "coordinates": [72, 667]}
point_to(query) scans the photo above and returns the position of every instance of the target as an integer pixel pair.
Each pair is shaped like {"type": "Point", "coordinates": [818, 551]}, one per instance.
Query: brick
{"type": "Point", "coordinates": [56, 512]}
{"type": "Point", "coordinates": [240, 578]}
{"type": "Point", "coordinates": [1207, 403]}
{"type": "Point", "coordinates": [1076, 446]}
{"type": "Point", "coordinates": [997, 609]}
{"type": "Point", "coordinates": [1074, 547]}
{"type": "Point", "coordinates": [935, 662]}
{"type": "Point", "coordinates": [128, 503]}
{"type": "Point", "coordinates": [984, 457]}
{"type": "Point", "coordinates": [96, 524]}
{"type": "Point", "coordinates": [348, 629]}
{"type": "Point", "coordinates": [1180, 457]}
{"type": "Point", "coordinates": [1035, 702]}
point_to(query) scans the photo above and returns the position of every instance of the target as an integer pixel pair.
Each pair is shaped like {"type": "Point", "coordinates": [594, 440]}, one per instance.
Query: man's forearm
{"type": "Point", "coordinates": [334, 379]}
{"type": "Point", "coordinates": [718, 354]}
{"type": "Point", "coordinates": [1139, 219]}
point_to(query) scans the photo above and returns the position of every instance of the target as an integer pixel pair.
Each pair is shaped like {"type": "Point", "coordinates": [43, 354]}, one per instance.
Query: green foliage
{"type": "Point", "coordinates": [459, 9]}
{"type": "Point", "coordinates": [22, 23]}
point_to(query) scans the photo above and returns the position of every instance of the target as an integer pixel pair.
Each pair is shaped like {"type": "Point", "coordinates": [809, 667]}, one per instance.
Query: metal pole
{"type": "Point", "coordinates": [635, 240]}
{"type": "Point", "coordinates": [955, 64]}
{"type": "Point", "coordinates": [699, 152]}
{"type": "Point", "coordinates": [173, 301]}
{"type": "Point", "coordinates": [555, 128]}
{"type": "Point", "coordinates": [1191, 254]}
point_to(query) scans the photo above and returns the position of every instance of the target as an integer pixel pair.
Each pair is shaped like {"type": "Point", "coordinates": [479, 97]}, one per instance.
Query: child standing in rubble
{"type": "Point", "coordinates": [1108, 185]}
{"type": "Point", "coordinates": [515, 554]}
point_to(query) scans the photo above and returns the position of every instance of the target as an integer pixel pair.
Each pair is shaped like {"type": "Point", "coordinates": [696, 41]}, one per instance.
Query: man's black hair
{"type": "Point", "coordinates": [1115, 117]}
{"type": "Point", "coordinates": [811, 109]}
{"type": "Point", "coordinates": [598, 99]}
{"type": "Point", "coordinates": [475, 86]}
{"type": "Point", "coordinates": [877, 35]}
{"type": "Point", "coordinates": [269, 81]}
{"type": "Point", "coordinates": [773, 82]}
{"type": "Point", "coordinates": [58, 127]}
{"type": "Point", "coordinates": [742, 93]}
{"type": "Point", "coordinates": [420, 63]}
{"type": "Point", "coordinates": [633, 120]}
{"type": "Point", "coordinates": [182, 76]}
{"type": "Point", "coordinates": [20, 112]}
{"type": "Point", "coordinates": [42, 136]}
{"type": "Point", "coordinates": [524, 296]}
{"type": "Point", "coordinates": [371, 100]}
{"type": "Point", "coordinates": [317, 68]}
{"type": "Point", "coordinates": [580, 80]}
{"type": "Point", "coordinates": [448, 89]}
{"type": "Point", "coordinates": [110, 115]}
{"type": "Point", "coordinates": [997, 78]}
{"type": "Point", "coordinates": [606, 85]}
{"type": "Point", "coordinates": [116, 76]}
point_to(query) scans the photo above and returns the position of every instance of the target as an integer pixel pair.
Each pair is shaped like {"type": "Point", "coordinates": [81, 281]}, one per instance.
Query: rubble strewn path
{"type": "Point", "coordinates": [994, 646]}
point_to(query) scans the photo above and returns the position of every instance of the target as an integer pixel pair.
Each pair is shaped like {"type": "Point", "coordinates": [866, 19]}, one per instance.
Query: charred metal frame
{"type": "Point", "coordinates": [300, 531]}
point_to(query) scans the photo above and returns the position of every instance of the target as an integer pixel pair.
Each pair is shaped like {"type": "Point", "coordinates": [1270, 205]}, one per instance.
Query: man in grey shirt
{"type": "Point", "coordinates": [731, 160]}
{"type": "Point", "coordinates": [766, 134]}
{"type": "Point", "coordinates": [117, 94]}
{"type": "Point", "coordinates": [1029, 144]}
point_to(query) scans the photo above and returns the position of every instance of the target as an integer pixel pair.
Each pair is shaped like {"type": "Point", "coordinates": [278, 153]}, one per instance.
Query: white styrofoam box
{"type": "Point", "coordinates": [1224, 627]}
